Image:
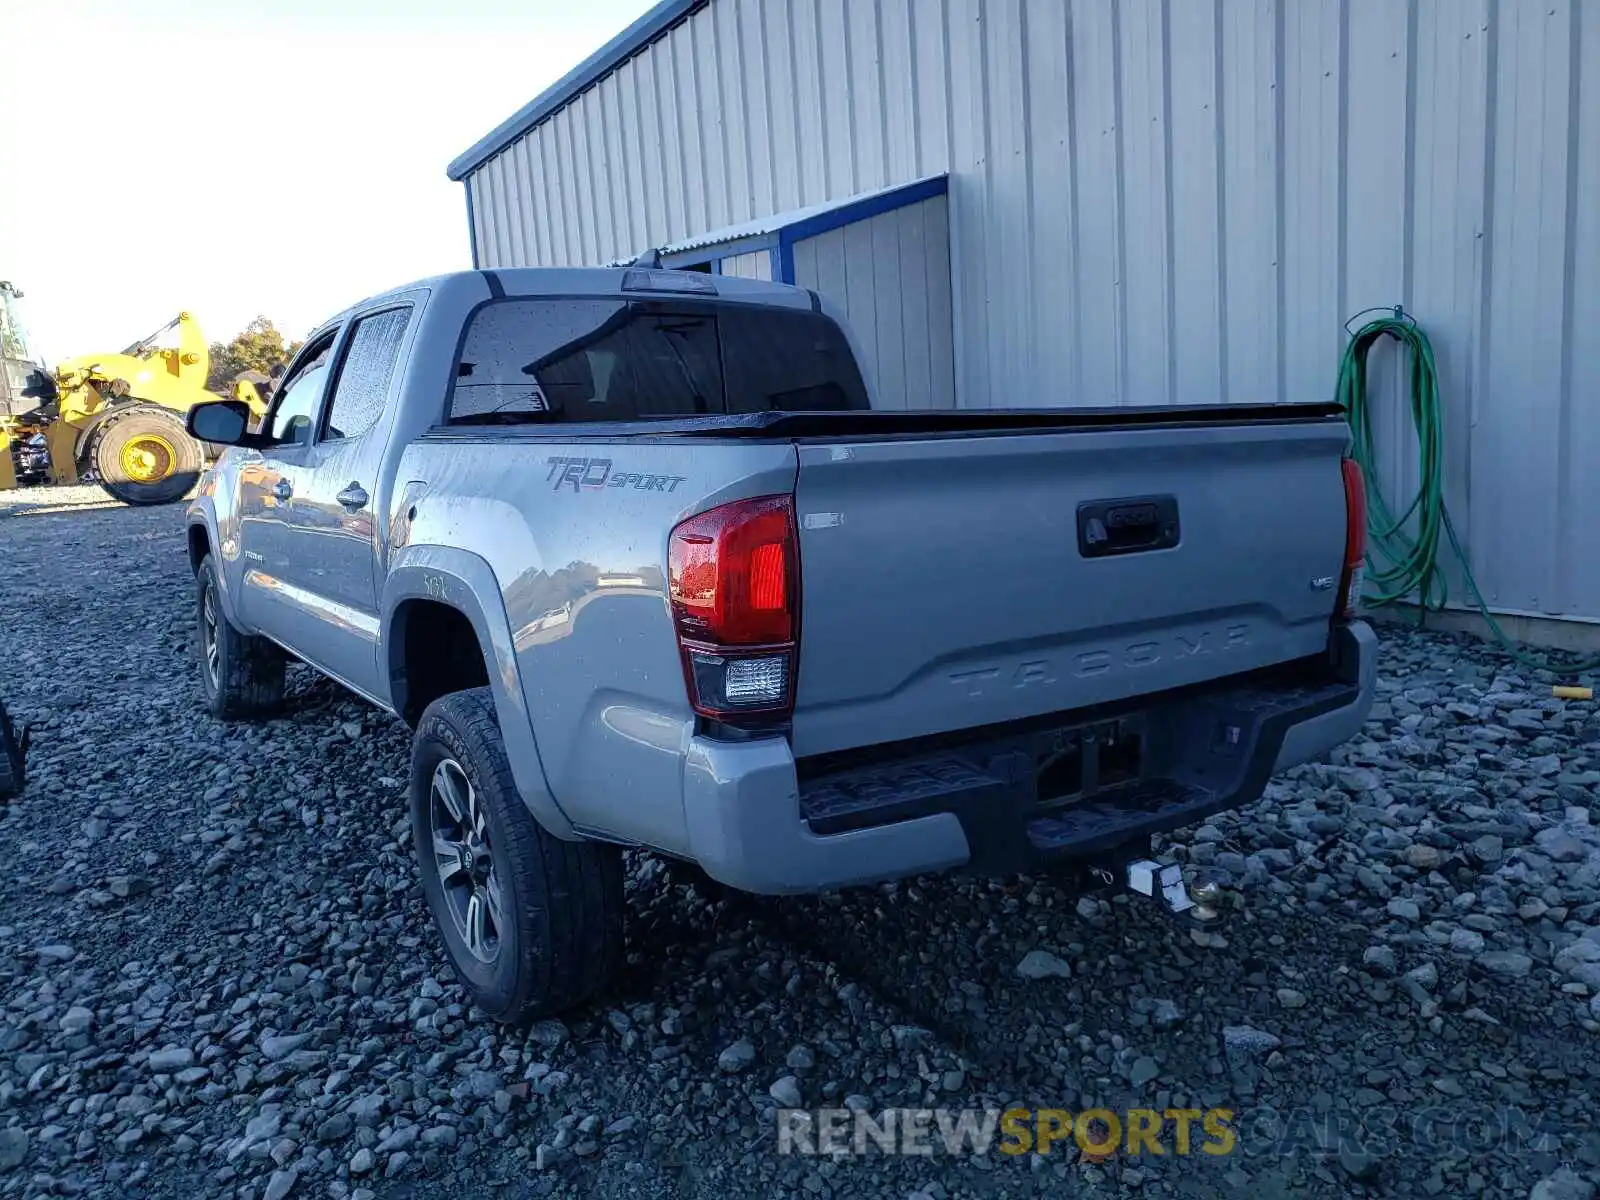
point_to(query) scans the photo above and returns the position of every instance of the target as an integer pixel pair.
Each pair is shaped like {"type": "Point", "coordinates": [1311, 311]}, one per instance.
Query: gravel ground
{"type": "Point", "coordinates": [218, 978]}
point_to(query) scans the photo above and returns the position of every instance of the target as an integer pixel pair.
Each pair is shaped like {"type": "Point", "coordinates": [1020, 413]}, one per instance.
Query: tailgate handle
{"type": "Point", "coordinates": [1128, 525]}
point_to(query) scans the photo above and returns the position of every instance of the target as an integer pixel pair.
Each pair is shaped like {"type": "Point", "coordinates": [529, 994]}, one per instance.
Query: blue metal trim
{"type": "Point", "coordinates": [714, 251]}
{"type": "Point", "coordinates": [647, 29]}
{"type": "Point", "coordinates": [716, 266]}
{"type": "Point", "coordinates": [784, 266]}
{"type": "Point", "coordinates": [472, 224]}
{"type": "Point", "coordinates": [870, 206]}
{"type": "Point", "coordinates": [776, 270]}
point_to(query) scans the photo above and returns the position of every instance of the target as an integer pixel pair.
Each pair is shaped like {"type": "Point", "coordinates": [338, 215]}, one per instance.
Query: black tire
{"type": "Point", "coordinates": [176, 458]}
{"type": "Point", "coordinates": [244, 678]}
{"type": "Point", "coordinates": [553, 936]}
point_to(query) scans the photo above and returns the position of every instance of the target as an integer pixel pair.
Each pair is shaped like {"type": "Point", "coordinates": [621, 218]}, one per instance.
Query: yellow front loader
{"type": "Point", "coordinates": [118, 418]}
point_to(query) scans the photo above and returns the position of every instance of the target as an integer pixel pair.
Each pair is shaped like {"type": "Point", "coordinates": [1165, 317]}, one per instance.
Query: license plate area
{"type": "Point", "coordinates": [1072, 764]}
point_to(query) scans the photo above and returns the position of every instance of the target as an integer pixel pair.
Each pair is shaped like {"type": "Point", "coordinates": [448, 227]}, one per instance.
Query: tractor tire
{"type": "Point", "coordinates": [241, 676]}
{"type": "Point", "coordinates": [146, 457]}
{"type": "Point", "coordinates": [532, 924]}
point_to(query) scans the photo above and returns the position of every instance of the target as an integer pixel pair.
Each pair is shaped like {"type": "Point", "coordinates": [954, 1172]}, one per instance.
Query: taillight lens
{"type": "Point", "coordinates": [1355, 538]}
{"type": "Point", "coordinates": [733, 575]}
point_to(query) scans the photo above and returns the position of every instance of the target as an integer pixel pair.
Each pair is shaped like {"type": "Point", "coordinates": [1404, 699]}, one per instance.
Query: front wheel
{"type": "Point", "coordinates": [146, 457]}
{"type": "Point", "coordinates": [241, 676]}
{"type": "Point", "coordinates": [532, 924]}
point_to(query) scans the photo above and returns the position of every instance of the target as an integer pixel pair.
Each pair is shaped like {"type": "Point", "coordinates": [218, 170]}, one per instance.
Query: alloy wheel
{"type": "Point", "coordinates": [464, 859]}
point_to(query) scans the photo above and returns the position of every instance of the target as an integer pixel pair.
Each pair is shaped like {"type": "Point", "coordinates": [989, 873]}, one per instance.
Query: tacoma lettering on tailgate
{"type": "Point", "coordinates": [977, 681]}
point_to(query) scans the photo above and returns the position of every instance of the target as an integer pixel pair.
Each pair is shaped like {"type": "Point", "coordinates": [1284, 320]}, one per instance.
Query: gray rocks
{"type": "Point", "coordinates": [736, 1057]}
{"type": "Point", "coordinates": [1506, 962]}
{"type": "Point", "coordinates": [441, 1136]}
{"type": "Point", "coordinates": [336, 1128]}
{"type": "Point", "coordinates": [170, 1059]}
{"type": "Point", "coordinates": [1423, 856]}
{"type": "Point", "coordinates": [76, 1020]}
{"type": "Point", "coordinates": [548, 1033]}
{"type": "Point", "coordinates": [1247, 1040]}
{"type": "Point", "coordinates": [292, 1012]}
{"type": "Point", "coordinates": [1359, 1164]}
{"type": "Point", "coordinates": [13, 1148]}
{"type": "Point", "coordinates": [1466, 941]}
{"type": "Point", "coordinates": [280, 1184]}
{"type": "Point", "coordinates": [1565, 1184]}
{"type": "Point", "coordinates": [1580, 961]}
{"type": "Point", "coordinates": [786, 1091]}
{"type": "Point", "coordinates": [402, 1138]}
{"type": "Point", "coordinates": [1424, 975]}
{"type": "Point", "coordinates": [1144, 1070]}
{"type": "Point", "coordinates": [1380, 960]}
{"type": "Point", "coordinates": [1561, 843]}
{"type": "Point", "coordinates": [1165, 1015]}
{"type": "Point", "coordinates": [1041, 964]}
{"type": "Point", "coordinates": [277, 1047]}
{"type": "Point", "coordinates": [1405, 909]}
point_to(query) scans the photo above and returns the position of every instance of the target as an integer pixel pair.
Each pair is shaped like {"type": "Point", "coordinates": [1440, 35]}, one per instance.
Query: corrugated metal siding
{"type": "Point", "coordinates": [891, 275]}
{"type": "Point", "coordinates": [755, 265]}
{"type": "Point", "coordinates": [1165, 200]}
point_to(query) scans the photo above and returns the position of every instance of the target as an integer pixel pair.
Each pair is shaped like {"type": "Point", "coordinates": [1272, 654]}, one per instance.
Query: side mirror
{"type": "Point", "coordinates": [222, 422]}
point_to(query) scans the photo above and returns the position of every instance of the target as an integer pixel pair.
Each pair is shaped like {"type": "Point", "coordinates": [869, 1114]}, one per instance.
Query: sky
{"type": "Point", "coordinates": [232, 158]}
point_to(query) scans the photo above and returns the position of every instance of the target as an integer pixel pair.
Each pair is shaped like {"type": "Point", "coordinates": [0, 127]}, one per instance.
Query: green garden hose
{"type": "Point", "coordinates": [1403, 546]}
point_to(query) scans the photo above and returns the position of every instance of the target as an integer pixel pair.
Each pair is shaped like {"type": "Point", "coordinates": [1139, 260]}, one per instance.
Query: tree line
{"type": "Point", "coordinates": [259, 346]}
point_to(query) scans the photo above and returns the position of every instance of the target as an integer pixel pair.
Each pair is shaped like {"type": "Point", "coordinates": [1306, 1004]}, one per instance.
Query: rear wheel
{"type": "Point", "coordinates": [241, 676]}
{"type": "Point", "coordinates": [532, 924]}
{"type": "Point", "coordinates": [146, 457]}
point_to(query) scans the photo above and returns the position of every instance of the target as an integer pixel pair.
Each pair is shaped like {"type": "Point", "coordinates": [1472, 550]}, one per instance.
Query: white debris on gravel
{"type": "Point", "coordinates": [204, 993]}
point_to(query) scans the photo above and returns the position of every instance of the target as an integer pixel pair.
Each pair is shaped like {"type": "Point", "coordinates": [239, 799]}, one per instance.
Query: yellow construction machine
{"type": "Point", "coordinates": [114, 418]}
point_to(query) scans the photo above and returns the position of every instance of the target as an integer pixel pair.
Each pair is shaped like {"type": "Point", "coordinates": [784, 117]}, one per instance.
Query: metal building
{"type": "Point", "coordinates": [1138, 201]}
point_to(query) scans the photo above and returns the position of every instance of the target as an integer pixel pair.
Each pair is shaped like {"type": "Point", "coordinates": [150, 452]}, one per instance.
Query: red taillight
{"type": "Point", "coordinates": [1355, 538]}
{"type": "Point", "coordinates": [734, 581]}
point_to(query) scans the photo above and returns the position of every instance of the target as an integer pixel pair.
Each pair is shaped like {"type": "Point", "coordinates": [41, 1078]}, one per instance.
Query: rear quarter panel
{"type": "Point", "coordinates": [575, 533]}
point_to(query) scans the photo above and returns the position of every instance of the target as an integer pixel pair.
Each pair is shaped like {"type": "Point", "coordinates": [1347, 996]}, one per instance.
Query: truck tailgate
{"type": "Point", "coordinates": [953, 582]}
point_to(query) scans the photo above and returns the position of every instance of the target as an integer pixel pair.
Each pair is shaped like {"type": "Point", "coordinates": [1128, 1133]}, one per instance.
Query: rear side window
{"type": "Point", "coordinates": [616, 360]}
{"type": "Point", "coordinates": [363, 385]}
{"type": "Point", "coordinates": [778, 360]}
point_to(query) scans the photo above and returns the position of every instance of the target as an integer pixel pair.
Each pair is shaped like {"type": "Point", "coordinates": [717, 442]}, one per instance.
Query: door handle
{"type": "Point", "coordinates": [354, 496]}
{"type": "Point", "coordinates": [283, 489]}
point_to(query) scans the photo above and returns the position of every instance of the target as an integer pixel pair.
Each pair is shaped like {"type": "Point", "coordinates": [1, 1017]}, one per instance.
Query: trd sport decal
{"type": "Point", "coordinates": [593, 474]}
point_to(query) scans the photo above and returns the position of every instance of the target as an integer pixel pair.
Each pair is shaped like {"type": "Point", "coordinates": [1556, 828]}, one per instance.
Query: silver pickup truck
{"type": "Point", "coordinates": [633, 555]}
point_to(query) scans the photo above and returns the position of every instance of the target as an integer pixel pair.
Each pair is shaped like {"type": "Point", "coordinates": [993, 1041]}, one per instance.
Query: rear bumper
{"type": "Point", "coordinates": [758, 823]}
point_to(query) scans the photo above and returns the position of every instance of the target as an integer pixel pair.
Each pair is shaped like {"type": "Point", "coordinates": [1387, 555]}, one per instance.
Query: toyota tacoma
{"type": "Point", "coordinates": [632, 553]}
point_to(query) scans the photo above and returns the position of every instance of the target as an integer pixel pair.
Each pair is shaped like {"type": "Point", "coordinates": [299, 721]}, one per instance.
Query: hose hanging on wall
{"type": "Point", "coordinates": [1403, 547]}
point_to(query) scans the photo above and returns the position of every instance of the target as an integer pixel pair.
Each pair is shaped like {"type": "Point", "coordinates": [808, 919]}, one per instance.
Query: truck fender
{"type": "Point", "coordinates": [203, 517]}
{"type": "Point", "coordinates": [465, 582]}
